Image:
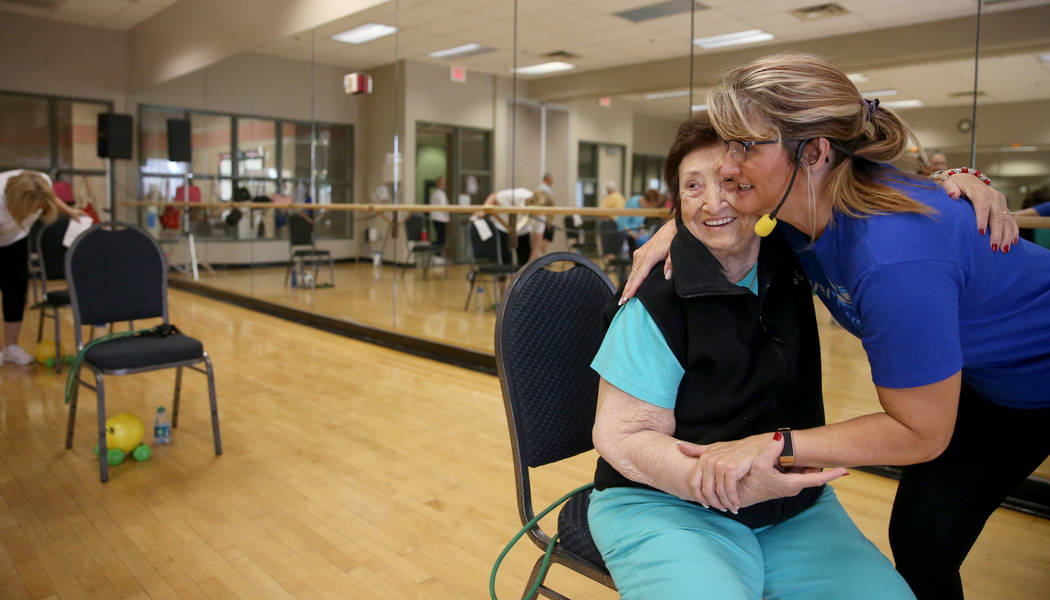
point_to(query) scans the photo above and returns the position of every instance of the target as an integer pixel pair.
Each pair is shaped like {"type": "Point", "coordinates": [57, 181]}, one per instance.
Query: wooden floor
{"type": "Point", "coordinates": [349, 471]}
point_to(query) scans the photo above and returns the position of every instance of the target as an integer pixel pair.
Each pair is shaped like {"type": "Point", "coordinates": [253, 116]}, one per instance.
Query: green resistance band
{"type": "Point", "coordinates": [546, 556]}
{"type": "Point", "coordinates": [74, 369]}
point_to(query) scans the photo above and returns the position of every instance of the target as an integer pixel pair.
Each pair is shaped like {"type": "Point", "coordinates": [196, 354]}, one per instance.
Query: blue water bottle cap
{"type": "Point", "coordinates": [160, 409]}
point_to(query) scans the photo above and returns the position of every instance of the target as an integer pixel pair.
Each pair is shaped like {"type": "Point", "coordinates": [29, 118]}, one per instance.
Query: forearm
{"type": "Point", "coordinates": [875, 439]}
{"type": "Point", "coordinates": [651, 458]}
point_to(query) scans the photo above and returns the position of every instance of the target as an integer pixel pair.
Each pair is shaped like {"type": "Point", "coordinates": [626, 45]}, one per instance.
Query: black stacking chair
{"type": "Point", "coordinates": [548, 329]}
{"type": "Point", "coordinates": [573, 235]}
{"type": "Point", "coordinates": [488, 257]}
{"type": "Point", "coordinates": [414, 226]}
{"type": "Point", "coordinates": [34, 261]}
{"type": "Point", "coordinates": [51, 264]}
{"type": "Point", "coordinates": [116, 272]}
{"type": "Point", "coordinates": [610, 248]}
{"type": "Point", "coordinates": [303, 250]}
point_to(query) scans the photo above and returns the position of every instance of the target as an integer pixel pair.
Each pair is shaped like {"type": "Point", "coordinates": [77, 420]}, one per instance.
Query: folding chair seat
{"type": "Point", "coordinates": [125, 354]}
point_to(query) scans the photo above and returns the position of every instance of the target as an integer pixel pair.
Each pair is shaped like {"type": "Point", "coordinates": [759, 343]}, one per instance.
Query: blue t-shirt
{"type": "Point", "coordinates": [635, 357]}
{"type": "Point", "coordinates": [928, 298]}
{"type": "Point", "coordinates": [623, 223]}
{"type": "Point", "coordinates": [1043, 209]}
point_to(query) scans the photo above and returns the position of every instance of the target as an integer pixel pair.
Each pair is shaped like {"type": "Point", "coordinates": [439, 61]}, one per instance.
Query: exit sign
{"type": "Point", "coordinates": [457, 74]}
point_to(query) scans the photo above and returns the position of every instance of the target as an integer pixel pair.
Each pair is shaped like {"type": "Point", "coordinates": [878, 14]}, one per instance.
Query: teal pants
{"type": "Point", "coordinates": [659, 546]}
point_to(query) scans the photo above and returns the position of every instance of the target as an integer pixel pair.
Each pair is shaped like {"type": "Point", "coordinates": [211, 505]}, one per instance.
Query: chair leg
{"type": "Point", "coordinates": [40, 326]}
{"type": "Point", "coordinates": [470, 292]}
{"type": "Point", "coordinates": [103, 464]}
{"type": "Point", "coordinates": [288, 272]}
{"type": "Point", "coordinates": [542, 590]}
{"type": "Point", "coordinates": [58, 344]}
{"type": "Point", "coordinates": [73, 409]}
{"type": "Point", "coordinates": [331, 270]}
{"type": "Point", "coordinates": [214, 406]}
{"type": "Point", "coordinates": [175, 402]}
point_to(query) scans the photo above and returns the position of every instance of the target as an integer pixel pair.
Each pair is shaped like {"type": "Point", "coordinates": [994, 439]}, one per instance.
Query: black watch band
{"type": "Point", "coordinates": [787, 455]}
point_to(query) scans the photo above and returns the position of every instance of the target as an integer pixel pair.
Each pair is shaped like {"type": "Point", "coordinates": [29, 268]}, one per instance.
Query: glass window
{"type": "Point", "coordinates": [25, 140]}
{"type": "Point", "coordinates": [474, 153]}
{"type": "Point", "coordinates": [295, 150]}
{"type": "Point", "coordinates": [257, 148]}
{"type": "Point", "coordinates": [78, 135]}
{"type": "Point", "coordinates": [153, 141]}
{"type": "Point", "coordinates": [210, 140]}
{"type": "Point", "coordinates": [334, 144]}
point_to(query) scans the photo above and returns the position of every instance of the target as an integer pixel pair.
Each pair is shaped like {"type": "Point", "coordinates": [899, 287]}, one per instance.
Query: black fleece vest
{"type": "Point", "coordinates": [752, 364]}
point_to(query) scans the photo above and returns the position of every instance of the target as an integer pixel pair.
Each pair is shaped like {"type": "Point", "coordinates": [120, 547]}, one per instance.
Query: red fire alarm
{"type": "Point", "coordinates": [605, 101]}
{"type": "Point", "coordinates": [357, 83]}
{"type": "Point", "coordinates": [457, 74]}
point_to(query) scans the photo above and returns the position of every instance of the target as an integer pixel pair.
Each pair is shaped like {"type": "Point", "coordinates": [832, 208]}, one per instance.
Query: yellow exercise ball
{"type": "Point", "coordinates": [124, 431]}
{"type": "Point", "coordinates": [46, 350]}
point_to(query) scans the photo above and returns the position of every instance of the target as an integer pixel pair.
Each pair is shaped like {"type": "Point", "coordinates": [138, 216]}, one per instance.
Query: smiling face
{"type": "Point", "coordinates": [760, 178]}
{"type": "Point", "coordinates": [708, 206]}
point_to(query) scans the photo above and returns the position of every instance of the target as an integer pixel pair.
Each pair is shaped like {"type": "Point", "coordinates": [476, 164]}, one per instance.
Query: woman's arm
{"type": "Point", "coordinates": [634, 437]}
{"type": "Point", "coordinates": [990, 207]}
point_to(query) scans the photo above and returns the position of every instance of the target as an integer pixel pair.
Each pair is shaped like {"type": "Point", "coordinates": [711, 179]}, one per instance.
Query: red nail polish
{"type": "Point", "coordinates": [995, 247]}
{"type": "Point", "coordinates": [777, 436]}
{"type": "Point", "coordinates": [981, 230]}
{"type": "Point", "coordinates": [1006, 249]}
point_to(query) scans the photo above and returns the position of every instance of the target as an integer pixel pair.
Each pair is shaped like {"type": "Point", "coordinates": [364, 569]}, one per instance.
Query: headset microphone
{"type": "Point", "coordinates": [767, 222]}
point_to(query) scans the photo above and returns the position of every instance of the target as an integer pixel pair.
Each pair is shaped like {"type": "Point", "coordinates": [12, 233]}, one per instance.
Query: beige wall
{"type": "Point", "coordinates": [653, 135]}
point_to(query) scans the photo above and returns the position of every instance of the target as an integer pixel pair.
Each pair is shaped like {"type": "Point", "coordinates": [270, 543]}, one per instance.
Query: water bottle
{"type": "Point", "coordinates": [293, 276]}
{"type": "Point", "coordinates": [377, 259]}
{"type": "Point", "coordinates": [161, 428]}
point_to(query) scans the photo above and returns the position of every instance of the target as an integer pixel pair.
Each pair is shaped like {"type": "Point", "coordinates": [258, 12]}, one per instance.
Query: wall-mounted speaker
{"type": "Point", "coordinates": [179, 140]}
{"type": "Point", "coordinates": [114, 135]}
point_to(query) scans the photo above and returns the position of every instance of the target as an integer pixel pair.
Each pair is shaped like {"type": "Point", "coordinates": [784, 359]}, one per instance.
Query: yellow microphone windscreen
{"type": "Point", "coordinates": [765, 225]}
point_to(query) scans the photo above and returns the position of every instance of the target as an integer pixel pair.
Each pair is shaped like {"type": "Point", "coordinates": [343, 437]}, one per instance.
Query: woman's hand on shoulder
{"type": "Point", "coordinates": [657, 249]}
{"type": "Point", "coordinates": [993, 214]}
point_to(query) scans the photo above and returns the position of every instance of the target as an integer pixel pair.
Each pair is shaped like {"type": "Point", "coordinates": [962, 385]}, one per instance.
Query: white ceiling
{"type": "Point", "coordinates": [590, 29]}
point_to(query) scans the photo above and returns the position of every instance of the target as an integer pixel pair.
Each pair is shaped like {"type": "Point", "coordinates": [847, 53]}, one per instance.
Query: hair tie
{"type": "Point", "coordinates": [873, 108]}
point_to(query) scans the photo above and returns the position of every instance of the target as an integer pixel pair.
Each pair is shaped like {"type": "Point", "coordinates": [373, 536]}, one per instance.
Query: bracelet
{"type": "Point", "coordinates": [946, 173]}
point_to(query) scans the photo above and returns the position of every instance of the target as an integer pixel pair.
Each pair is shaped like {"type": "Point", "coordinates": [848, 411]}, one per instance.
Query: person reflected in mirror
{"type": "Point", "coordinates": [728, 348]}
{"type": "Point", "coordinates": [439, 198]}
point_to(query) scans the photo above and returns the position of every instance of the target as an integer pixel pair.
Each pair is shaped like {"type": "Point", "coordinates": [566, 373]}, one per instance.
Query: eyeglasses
{"type": "Point", "coordinates": [738, 149]}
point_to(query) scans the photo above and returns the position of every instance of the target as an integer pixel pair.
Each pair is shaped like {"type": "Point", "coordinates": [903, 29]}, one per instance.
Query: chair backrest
{"type": "Point", "coordinates": [610, 237]}
{"type": "Point", "coordinates": [572, 232]}
{"type": "Point", "coordinates": [51, 252]}
{"type": "Point", "coordinates": [490, 250]}
{"type": "Point", "coordinates": [116, 272]}
{"type": "Point", "coordinates": [300, 231]}
{"type": "Point", "coordinates": [548, 329]}
{"type": "Point", "coordinates": [414, 228]}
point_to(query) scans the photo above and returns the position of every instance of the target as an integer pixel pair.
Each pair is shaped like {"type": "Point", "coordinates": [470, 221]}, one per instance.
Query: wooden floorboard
{"type": "Point", "coordinates": [349, 471]}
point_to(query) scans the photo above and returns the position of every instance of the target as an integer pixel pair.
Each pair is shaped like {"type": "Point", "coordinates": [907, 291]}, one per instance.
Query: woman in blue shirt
{"type": "Point", "coordinates": [957, 337]}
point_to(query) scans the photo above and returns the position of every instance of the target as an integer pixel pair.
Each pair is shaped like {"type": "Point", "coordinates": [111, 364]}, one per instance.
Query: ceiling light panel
{"type": "Point", "coordinates": [544, 68]}
{"type": "Point", "coordinates": [364, 33]}
{"type": "Point", "coordinates": [659, 10]}
{"type": "Point", "coordinates": [879, 93]}
{"type": "Point", "coordinates": [460, 51]}
{"type": "Point", "coordinates": [901, 104]}
{"type": "Point", "coordinates": [666, 95]}
{"type": "Point", "coordinates": [750, 36]}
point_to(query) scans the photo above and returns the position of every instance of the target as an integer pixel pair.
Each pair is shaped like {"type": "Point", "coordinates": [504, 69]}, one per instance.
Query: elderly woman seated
{"type": "Point", "coordinates": [726, 349]}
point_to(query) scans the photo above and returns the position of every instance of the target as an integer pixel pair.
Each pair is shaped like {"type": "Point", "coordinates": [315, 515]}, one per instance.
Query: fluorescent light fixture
{"type": "Point", "coordinates": [698, 107]}
{"type": "Point", "coordinates": [857, 77]}
{"type": "Point", "coordinates": [457, 51]}
{"type": "Point", "coordinates": [666, 95]}
{"type": "Point", "coordinates": [902, 104]}
{"type": "Point", "coordinates": [364, 33]}
{"type": "Point", "coordinates": [731, 39]}
{"type": "Point", "coordinates": [1045, 57]}
{"type": "Point", "coordinates": [1019, 148]}
{"type": "Point", "coordinates": [877, 93]}
{"type": "Point", "coordinates": [547, 67]}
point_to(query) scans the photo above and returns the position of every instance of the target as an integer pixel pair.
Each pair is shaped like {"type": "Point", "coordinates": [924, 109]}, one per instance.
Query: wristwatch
{"type": "Point", "coordinates": [787, 455]}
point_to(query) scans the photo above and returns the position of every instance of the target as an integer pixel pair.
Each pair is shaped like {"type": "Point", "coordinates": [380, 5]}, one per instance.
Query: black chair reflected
{"type": "Point", "coordinates": [303, 251]}
{"type": "Point", "coordinates": [548, 329]}
{"type": "Point", "coordinates": [51, 264]}
{"type": "Point", "coordinates": [489, 257]}
{"type": "Point", "coordinates": [574, 236]}
{"type": "Point", "coordinates": [116, 272]}
{"type": "Point", "coordinates": [612, 249]}
{"type": "Point", "coordinates": [421, 251]}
